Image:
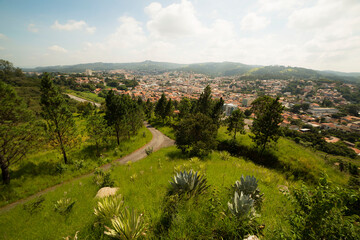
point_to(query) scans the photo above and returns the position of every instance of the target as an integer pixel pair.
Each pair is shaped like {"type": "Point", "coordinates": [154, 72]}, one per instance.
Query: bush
{"type": "Point", "coordinates": [61, 168]}
{"type": "Point", "coordinates": [325, 212]}
{"type": "Point", "coordinates": [79, 164]}
{"type": "Point", "coordinates": [149, 150]}
{"type": "Point", "coordinates": [109, 208]}
{"type": "Point", "coordinates": [64, 205]}
{"type": "Point", "coordinates": [102, 179]}
{"type": "Point", "coordinates": [128, 225]}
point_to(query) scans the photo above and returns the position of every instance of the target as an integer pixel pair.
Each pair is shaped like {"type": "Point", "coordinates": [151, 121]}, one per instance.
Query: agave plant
{"type": "Point", "coordinates": [241, 206]}
{"type": "Point", "coordinates": [128, 225]}
{"type": "Point", "coordinates": [64, 205]}
{"type": "Point", "coordinates": [188, 182]}
{"type": "Point", "coordinates": [248, 186]}
{"type": "Point", "coordinates": [109, 207]}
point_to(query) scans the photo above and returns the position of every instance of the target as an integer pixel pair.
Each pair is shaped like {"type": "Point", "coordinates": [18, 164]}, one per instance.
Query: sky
{"type": "Point", "coordinates": [316, 34]}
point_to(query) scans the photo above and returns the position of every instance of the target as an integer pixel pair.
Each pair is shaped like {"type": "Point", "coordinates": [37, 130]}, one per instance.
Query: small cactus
{"type": "Point", "coordinates": [241, 205]}
{"type": "Point", "coordinates": [188, 182]}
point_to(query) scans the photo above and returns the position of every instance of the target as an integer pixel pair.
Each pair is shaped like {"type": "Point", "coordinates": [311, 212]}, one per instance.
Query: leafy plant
{"type": "Point", "coordinates": [224, 155]}
{"type": "Point", "coordinates": [102, 179]}
{"type": "Point", "coordinates": [188, 182]}
{"type": "Point", "coordinates": [149, 150]}
{"type": "Point", "coordinates": [35, 205]}
{"type": "Point", "coordinates": [64, 205]}
{"type": "Point", "coordinates": [249, 186]}
{"type": "Point", "coordinates": [61, 168]}
{"type": "Point", "coordinates": [128, 225]}
{"type": "Point", "coordinates": [326, 212]}
{"type": "Point", "coordinates": [79, 164]}
{"type": "Point", "coordinates": [109, 207]}
{"type": "Point", "coordinates": [241, 205]}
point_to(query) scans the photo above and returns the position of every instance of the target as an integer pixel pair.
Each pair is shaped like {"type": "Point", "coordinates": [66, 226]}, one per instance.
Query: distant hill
{"type": "Point", "coordinates": [209, 68]}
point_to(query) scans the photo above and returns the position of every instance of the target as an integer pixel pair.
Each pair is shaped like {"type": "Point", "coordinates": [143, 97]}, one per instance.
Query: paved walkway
{"type": "Point", "coordinates": [157, 142]}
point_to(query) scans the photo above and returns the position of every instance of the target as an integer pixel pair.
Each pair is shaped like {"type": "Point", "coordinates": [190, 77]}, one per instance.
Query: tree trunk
{"type": "Point", "coordinates": [4, 171]}
{"type": "Point", "coordinates": [117, 137]}
{"type": "Point", "coordinates": [64, 154]}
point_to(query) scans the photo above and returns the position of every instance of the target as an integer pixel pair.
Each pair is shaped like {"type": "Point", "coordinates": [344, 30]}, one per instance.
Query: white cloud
{"type": "Point", "coordinates": [73, 25]}
{"type": "Point", "coordinates": [57, 48]}
{"type": "Point", "coordinates": [32, 28]}
{"type": "Point", "coordinates": [279, 5]}
{"type": "Point", "coordinates": [3, 36]}
{"type": "Point", "coordinates": [253, 22]}
{"type": "Point", "coordinates": [175, 20]}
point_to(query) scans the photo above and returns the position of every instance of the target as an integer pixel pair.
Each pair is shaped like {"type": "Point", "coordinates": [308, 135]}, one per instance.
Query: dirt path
{"type": "Point", "coordinates": [157, 142]}
{"type": "Point", "coordinates": [83, 100]}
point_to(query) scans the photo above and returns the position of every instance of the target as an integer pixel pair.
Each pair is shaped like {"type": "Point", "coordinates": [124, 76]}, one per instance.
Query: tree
{"type": "Point", "coordinates": [196, 135]}
{"type": "Point", "coordinates": [184, 107]}
{"type": "Point", "coordinates": [265, 126]}
{"type": "Point", "coordinates": [97, 129]}
{"type": "Point", "coordinates": [169, 109]}
{"type": "Point", "coordinates": [114, 113]}
{"type": "Point", "coordinates": [161, 107]}
{"type": "Point", "coordinates": [217, 111]}
{"type": "Point", "coordinates": [204, 104]}
{"type": "Point", "coordinates": [18, 134]}
{"type": "Point", "coordinates": [60, 125]}
{"type": "Point", "coordinates": [247, 113]}
{"type": "Point", "coordinates": [148, 109]}
{"type": "Point", "coordinates": [236, 123]}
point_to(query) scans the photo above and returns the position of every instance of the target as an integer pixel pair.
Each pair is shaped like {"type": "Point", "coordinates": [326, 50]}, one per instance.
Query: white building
{"type": "Point", "coordinates": [229, 108]}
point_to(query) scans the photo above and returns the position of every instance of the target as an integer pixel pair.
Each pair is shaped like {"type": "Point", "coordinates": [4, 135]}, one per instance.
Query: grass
{"type": "Point", "coordinates": [146, 192]}
{"type": "Point", "coordinates": [39, 170]}
{"type": "Point", "coordinates": [86, 95]}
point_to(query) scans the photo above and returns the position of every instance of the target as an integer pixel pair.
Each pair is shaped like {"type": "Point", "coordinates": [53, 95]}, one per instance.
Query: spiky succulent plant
{"type": "Point", "coordinates": [128, 225]}
{"type": "Point", "coordinates": [109, 207]}
{"type": "Point", "coordinates": [249, 186]}
{"type": "Point", "coordinates": [241, 206]}
{"type": "Point", "coordinates": [64, 205]}
{"type": "Point", "coordinates": [188, 183]}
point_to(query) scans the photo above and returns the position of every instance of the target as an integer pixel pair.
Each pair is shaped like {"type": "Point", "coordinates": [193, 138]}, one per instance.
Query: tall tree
{"type": "Point", "coordinates": [184, 107]}
{"type": "Point", "coordinates": [18, 133]}
{"type": "Point", "coordinates": [148, 109]}
{"type": "Point", "coordinates": [97, 129]}
{"type": "Point", "coordinates": [114, 113]}
{"type": "Point", "coordinates": [161, 107]}
{"type": "Point", "coordinates": [217, 111]}
{"type": "Point", "coordinates": [265, 126]}
{"type": "Point", "coordinates": [61, 128]}
{"type": "Point", "coordinates": [169, 109]}
{"type": "Point", "coordinates": [196, 134]}
{"type": "Point", "coordinates": [236, 123]}
{"type": "Point", "coordinates": [204, 104]}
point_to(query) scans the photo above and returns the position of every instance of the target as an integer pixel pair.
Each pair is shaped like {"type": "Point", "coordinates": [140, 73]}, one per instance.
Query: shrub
{"type": "Point", "coordinates": [325, 212]}
{"type": "Point", "coordinates": [128, 225]}
{"type": "Point", "coordinates": [64, 205]}
{"type": "Point", "coordinates": [188, 183]}
{"type": "Point", "coordinates": [149, 150]}
{"type": "Point", "coordinates": [79, 164]}
{"type": "Point", "coordinates": [61, 168]}
{"type": "Point", "coordinates": [35, 205]}
{"type": "Point", "coordinates": [109, 208]}
{"type": "Point", "coordinates": [224, 155]}
{"type": "Point", "coordinates": [102, 179]}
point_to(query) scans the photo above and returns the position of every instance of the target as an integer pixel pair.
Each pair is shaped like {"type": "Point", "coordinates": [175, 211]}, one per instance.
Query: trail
{"type": "Point", "coordinates": [157, 142]}
{"type": "Point", "coordinates": [83, 100]}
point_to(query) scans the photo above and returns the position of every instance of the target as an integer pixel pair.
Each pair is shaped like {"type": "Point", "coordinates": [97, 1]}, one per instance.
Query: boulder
{"type": "Point", "coordinates": [106, 192]}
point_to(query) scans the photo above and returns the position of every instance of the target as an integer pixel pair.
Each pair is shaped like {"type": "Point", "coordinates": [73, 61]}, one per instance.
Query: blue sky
{"type": "Point", "coordinates": [318, 34]}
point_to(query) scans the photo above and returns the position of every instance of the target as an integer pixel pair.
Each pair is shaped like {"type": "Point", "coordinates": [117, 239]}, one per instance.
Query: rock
{"type": "Point", "coordinates": [252, 237]}
{"type": "Point", "coordinates": [106, 192]}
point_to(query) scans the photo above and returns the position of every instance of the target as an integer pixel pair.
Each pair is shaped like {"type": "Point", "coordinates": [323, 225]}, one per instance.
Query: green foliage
{"type": "Point", "coordinates": [324, 212]}
{"type": "Point", "coordinates": [266, 123]}
{"type": "Point", "coordinates": [149, 150]}
{"type": "Point", "coordinates": [236, 123]}
{"type": "Point", "coordinates": [102, 179]}
{"type": "Point", "coordinates": [160, 108]}
{"type": "Point", "coordinates": [97, 129]}
{"type": "Point", "coordinates": [60, 128]}
{"type": "Point", "coordinates": [128, 225]}
{"type": "Point", "coordinates": [184, 107]}
{"type": "Point", "coordinates": [241, 206]}
{"type": "Point", "coordinates": [196, 135]}
{"type": "Point", "coordinates": [188, 183]}
{"type": "Point", "coordinates": [64, 205]}
{"type": "Point", "coordinates": [61, 168]}
{"type": "Point", "coordinates": [18, 131]}
{"type": "Point", "coordinates": [224, 155]}
{"type": "Point", "coordinates": [109, 208]}
{"type": "Point", "coordinates": [34, 206]}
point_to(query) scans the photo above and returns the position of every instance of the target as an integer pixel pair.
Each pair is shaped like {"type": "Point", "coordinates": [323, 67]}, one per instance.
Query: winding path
{"type": "Point", "coordinates": [83, 100]}
{"type": "Point", "coordinates": [158, 141]}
